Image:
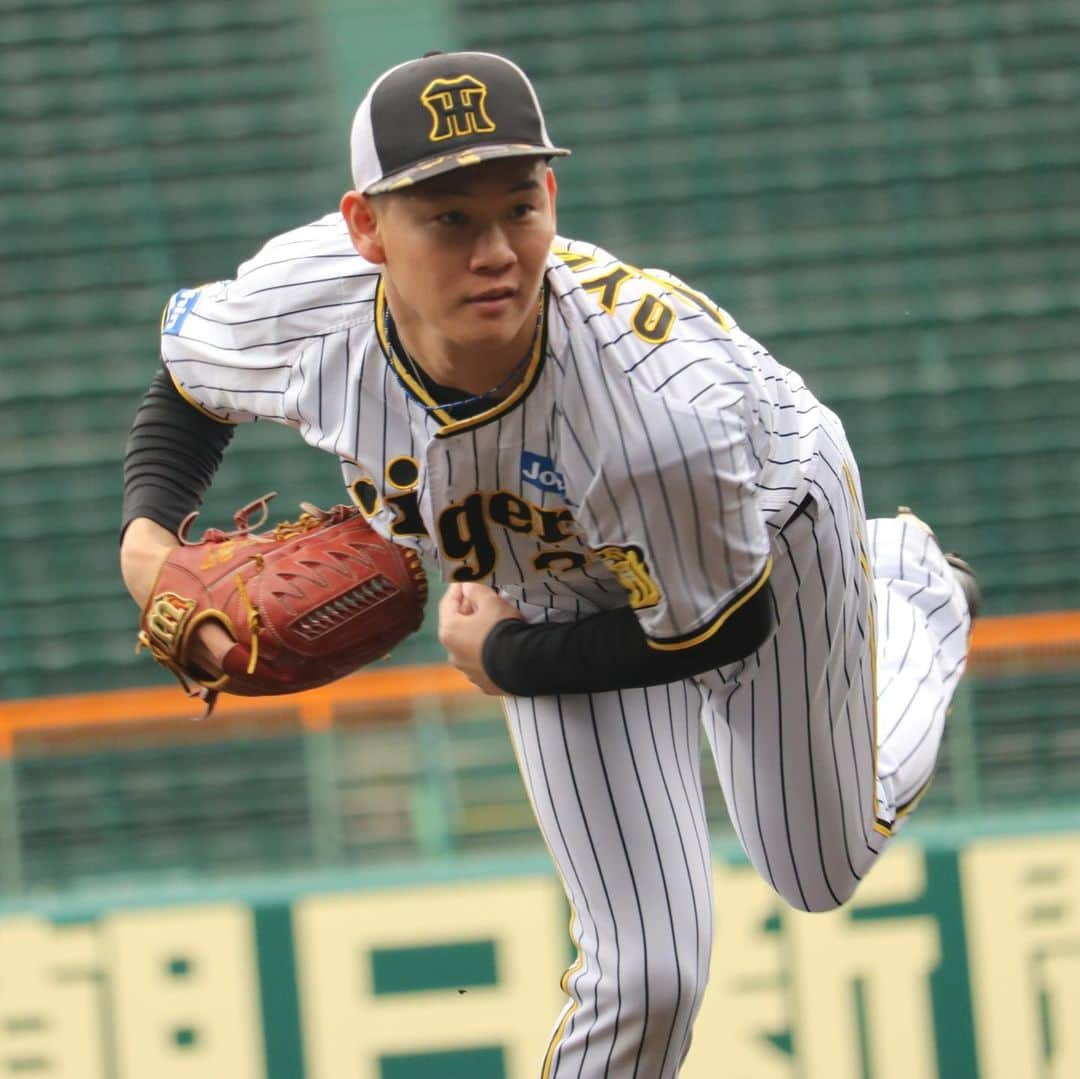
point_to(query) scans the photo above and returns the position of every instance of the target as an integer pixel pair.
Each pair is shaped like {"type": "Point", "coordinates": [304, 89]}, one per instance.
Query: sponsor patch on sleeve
{"type": "Point", "coordinates": [180, 306]}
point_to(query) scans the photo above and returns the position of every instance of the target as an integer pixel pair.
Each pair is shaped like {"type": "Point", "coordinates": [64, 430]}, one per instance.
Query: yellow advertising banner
{"type": "Point", "coordinates": [947, 963]}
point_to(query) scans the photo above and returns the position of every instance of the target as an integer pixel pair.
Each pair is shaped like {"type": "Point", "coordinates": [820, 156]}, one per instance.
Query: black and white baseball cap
{"type": "Point", "coordinates": [442, 112]}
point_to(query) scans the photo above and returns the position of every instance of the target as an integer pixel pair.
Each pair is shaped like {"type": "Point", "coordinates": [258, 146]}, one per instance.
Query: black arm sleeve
{"type": "Point", "coordinates": [172, 453]}
{"type": "Point", "coordinates": [610, 651]}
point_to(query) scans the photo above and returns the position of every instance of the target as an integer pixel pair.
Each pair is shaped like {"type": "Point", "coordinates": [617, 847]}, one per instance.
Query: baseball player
{"type": "Point", "coordinates": [650, 527]}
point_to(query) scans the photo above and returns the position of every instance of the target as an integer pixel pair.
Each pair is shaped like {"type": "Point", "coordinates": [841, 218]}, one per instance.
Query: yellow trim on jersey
{"type": "Point", "coordinates": [725, 614]}
{"type": "Point", "coordinates": [195, 404]}
{"type": "Point", "coordinates": [415, 388]}
{"type": "Point", "coordinates": [411, 485]}
{"type": "Point", "coordinates": [450, 425]}
{"type": "Point", "coordinates": [180, 389]}
{"type": "Point", "coordinates": [528, 380]}
{"type": "Point", "coordinates": [564, 982]}
{"type": "Point", "coordinates": [880, 826]}
{"type": "Point", "coordinates": [358, 502]}
{"type": "Point", "coordinates": [913, 802]}
{"type": "Point", "coordinates": [568, 1011]}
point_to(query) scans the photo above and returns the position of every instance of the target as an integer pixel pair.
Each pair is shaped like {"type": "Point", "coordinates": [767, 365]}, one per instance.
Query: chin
{"type": "Point", "coordinates": [495, 330]}
{"type": "Point", "coordinates": [487, 340]}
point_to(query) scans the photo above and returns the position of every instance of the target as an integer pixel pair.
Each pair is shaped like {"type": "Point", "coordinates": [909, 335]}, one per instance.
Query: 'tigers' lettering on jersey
{"type": "Point", "coordinates": [464, 527]}
{"type": "Point", "coordinates": [465, 533]}
{"type": "Point", "coordinates": [402, 474]}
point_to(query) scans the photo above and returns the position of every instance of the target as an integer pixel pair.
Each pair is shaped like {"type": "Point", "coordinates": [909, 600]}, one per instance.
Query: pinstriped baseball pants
{"type": "Point", "coordinates": [822, 740]}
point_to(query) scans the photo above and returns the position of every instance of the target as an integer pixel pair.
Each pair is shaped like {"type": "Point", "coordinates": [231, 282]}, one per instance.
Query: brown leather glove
{"type": "Point", "coordinates": [306, 602]}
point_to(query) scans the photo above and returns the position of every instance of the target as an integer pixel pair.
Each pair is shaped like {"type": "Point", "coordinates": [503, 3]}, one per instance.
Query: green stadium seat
{"type": "Point", "coordinates": [221, 806]}
{"type": "Point", "coordinates": [883, 196]}
{"type": "Point", "coordinates": [150, 150]}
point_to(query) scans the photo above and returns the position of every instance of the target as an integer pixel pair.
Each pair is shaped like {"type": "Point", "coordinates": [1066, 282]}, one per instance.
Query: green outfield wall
{"type": "Point", "coordinates": [959, 957]}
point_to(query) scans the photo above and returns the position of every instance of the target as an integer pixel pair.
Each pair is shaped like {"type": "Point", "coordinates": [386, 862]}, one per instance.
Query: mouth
{"type": "Point", "coordinates": [493, 297]}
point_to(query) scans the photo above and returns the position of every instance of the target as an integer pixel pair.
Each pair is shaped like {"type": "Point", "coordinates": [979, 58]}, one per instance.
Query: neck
{"type": "Point", "coordinates": [476, 369]}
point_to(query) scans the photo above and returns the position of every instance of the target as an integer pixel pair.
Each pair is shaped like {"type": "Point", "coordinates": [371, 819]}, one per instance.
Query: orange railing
{"type": "Point", "coordinates": [314, 709]}
{"type": "Point", "coordinates": [1047, 640]}
{"type": "Point", "coordinates": [999, 645]}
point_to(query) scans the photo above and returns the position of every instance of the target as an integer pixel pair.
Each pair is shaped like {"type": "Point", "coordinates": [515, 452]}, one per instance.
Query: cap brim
{"type": "Point", "coordinates": [475, 155]}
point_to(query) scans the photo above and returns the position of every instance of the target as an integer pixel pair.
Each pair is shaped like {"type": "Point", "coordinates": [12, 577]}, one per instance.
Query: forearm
{"type": "Point", "coordinates": [172, 453]}
{"type": "Point", "coordinates": [610, 651]}
{"type": "Point", "coordinates": [142, 550]}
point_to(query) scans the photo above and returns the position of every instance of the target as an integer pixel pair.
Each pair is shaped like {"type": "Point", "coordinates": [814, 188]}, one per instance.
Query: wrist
{"type": "Point", "coordinates": [145, 545]}
{"type": "Point", "coordinates": [492, 654]}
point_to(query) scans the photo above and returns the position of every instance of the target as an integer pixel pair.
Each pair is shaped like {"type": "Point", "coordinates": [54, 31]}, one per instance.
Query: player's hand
{"type": "Point", "coordinates": [467, 614]}
{"type": "Point", "coordinates": [146, 545]}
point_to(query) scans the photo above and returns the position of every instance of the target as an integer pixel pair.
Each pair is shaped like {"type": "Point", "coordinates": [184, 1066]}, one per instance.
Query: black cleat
{"type": "Point", "coordinates": [965, 575]}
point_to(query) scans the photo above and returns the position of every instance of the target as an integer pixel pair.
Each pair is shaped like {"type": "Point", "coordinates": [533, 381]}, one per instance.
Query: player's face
{"type": "Point", "coordinates": [464, 254]}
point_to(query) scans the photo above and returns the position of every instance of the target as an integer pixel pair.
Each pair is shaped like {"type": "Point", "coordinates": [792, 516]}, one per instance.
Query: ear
{"type": "Point", "coordinates": [363, 226]}
{"type": "Point", "coordinates": [552, 187]}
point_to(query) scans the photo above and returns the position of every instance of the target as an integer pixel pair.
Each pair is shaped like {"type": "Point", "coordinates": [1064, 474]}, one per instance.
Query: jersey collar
{"type": "Point", "coordinates": [448, 424]}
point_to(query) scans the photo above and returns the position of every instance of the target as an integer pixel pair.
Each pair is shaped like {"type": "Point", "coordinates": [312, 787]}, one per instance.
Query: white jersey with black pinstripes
{"type": "Point", "coordinates": [651, 454]}
{"type": "Point", "coordinates": [639, 459]}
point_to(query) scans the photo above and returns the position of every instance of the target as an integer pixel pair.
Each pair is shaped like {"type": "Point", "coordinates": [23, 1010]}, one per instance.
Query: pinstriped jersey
{"type": "Point", "coordinates": [643, 458]}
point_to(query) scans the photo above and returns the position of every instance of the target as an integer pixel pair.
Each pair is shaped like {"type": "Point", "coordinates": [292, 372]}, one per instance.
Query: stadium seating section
{"type": "Point", "coordinates": [240, 798]}
{"type": "Point", "coordinates": [885, 195]}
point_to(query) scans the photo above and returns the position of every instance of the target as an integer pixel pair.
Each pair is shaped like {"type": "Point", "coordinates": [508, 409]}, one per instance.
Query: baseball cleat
{"type": "Point", "coordinates": [964, 574]}
{"type": "Point", "coordinates": [969, 584]}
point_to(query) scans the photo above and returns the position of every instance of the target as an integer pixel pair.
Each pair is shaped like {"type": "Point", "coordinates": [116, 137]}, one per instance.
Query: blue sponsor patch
{"type": "Point", "coordinates": [179, 308]}
{"type": "Point", "coordinates": [540, 472]}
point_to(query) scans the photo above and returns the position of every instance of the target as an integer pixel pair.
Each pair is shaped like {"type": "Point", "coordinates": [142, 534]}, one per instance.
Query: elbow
{"type": "Point", "coordinates": [741, 635]}
{"type": "Point", "coordinates": [759, 620]}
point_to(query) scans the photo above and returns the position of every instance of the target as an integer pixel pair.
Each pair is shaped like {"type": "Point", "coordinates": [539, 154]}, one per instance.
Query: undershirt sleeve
{"type": "Point", "coordinates": [172, 453]}
{"type": "Point", "coordinates": [610, 651]}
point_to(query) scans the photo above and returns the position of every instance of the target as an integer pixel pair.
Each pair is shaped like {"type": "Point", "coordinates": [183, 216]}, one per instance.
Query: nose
{"type": "Point", "coordinates": [492, 251]}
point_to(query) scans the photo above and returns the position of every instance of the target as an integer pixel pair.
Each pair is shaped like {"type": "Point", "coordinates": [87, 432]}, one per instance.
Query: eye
{"type": "Point", "coordinates": [451, 217]}
{"type": "Point", "coordinates": [522, 209]}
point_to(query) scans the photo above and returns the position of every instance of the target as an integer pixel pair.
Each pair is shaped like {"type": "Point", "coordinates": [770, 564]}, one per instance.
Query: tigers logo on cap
{"type": "Point", "coordinates": [456, 107]}
{"type": "Point", "coordinates": [444, 111]}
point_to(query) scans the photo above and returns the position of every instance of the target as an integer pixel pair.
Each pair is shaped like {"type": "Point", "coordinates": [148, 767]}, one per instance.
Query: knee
{"type": "Point", "coordinates": [820, 899]}
{"type": "Point", "coordinates": [663, 990]}
{"type": "Point", "coordinates": [635, 1015]}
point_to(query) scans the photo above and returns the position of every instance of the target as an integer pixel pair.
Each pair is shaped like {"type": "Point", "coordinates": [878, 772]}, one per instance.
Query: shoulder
{"type": "Point", "coordinates": [320, 250]}
{"type": "Point", "coordinates": [639, 320]}
{"type": "Point", "coordinates": [304, 282]}
{"type": "Point", "coordinates": [649, 300]}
